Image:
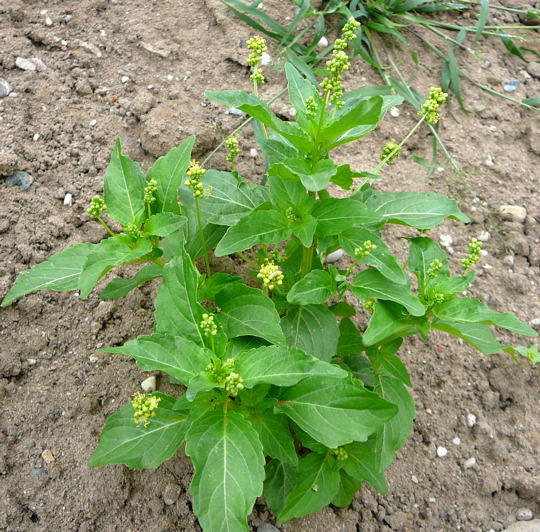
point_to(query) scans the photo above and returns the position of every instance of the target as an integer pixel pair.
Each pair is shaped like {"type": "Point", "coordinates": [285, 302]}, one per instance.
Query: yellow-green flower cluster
{"type": "Point", "coordinates": [391, 150]}
{"type": "Point", "coordinates": [311, 106]}
{"type": "Point", "coordinates": [431, 106]}
{"type": "Point", "coordinates": [232, 144]}
{"type": "Point", "coordinates": [97, 206]}
{"type": "Point", "coordinates": [270, 274]}
{"type": "Point", "coordinates": [339, 63]}
{"type": "Point", "coordinates": [195, 173]}
{"type": "Point", "coordinates": [149, 192]}
{"type": "Point", "coordinates": [133, 230]}
{"type": "Point", "coordinates": [208, 324]}
{"type": "Point", "coordinates": [222, 372]}
{"type": "Point", "coordinates": [366, 249]}
{"type": "Point", "coordinates": [434, 268]}
{"type": "Point", "coordinates": [474, 254]}
{"type": "Point", "coordinates": [144, 407]}
{"type": "Point", "coordinates": [340, 454]}
{"type": "Point", "coordinates": [234, 384]}
{"type": "Point", "coordinates": [290, 214]}
{"type": "Point", "coordinates": [369, 305]}
{"type": "Point", "coordinates": [258, 47]}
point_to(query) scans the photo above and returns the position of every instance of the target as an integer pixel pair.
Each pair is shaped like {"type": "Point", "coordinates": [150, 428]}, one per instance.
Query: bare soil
{"type": "Point", "coordinates": [137, 70]}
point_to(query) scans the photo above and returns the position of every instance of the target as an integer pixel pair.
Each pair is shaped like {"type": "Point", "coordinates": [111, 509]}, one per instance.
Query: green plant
{"type": "Point", "coordinates": [288, 393]}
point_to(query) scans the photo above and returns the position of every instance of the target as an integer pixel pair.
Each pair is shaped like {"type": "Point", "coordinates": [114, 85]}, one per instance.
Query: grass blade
{"type": "Point", "coordinates": [482, 19]}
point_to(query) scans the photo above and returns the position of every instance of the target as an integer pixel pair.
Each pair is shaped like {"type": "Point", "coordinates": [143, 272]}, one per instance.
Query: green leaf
{"type": "Point", "coordinates": [119, 287]}
{"type": "Point", "coordinates": [390, 320]}
{"type": "Point", "coordinates": [216, 284]}
{"type": "Point", "coordinates": [350, 340]}
{"type": "Point", "coordinates": [59, 273]}
{"type": "Point", "coordinates": [258, 227]}
{"type": "Point", "coordinates": [316, 287]}
{"type": "Point", "coordinates": [110, 252]}
{"type": "Point", "coordinates": [347, 490]}
{"type": "Point", "coordinates": [136, 446]}
{"type": "Point", "coordinates": [281, 366]}
{"type": "Point", "coordinates": [178, 357]}
{"type": "Point", "coordinates": [422, 252]}
{"type": "Point", "coordinates": [169, 171]}
{"type": "Point", "coordinates": [246, 311]}
{"type": "Point", "coordinates": [337, 215]}
{"type": "Point", "coordinates": [280, 478]}
{"type": "Point", "coordinates": [452, 285]}
{"type": "Point", "coordinates": [300, 89]}
{"type": "Point", "coordinates": [342, 309]}
{"type": "Point", "coordinates": [422, 210]}
{"type": "Point", "coordinates": [362, 464]}
{"type": "Point", "coordinates": [335, 411]}
{"type": "Point", "coordinates": [123, 188]}
{"type": "Point", "coordinates": [476, 334]}
{"type": "Point", "coordinates": [370, 284]}
{"type": "Point", "coordinates": [313, 329]}
{"type": "Point", "coordinates": [381, 258]}
{"type": "Point", "coordinates": [229, 469]}
{"type": "Point", "coordinates": [469, 310]}
{"type": "Point", "coordinates": [318, 483]}
{"type": "Point", "coordinates": [304, 229]}
{"type": "Point", "coordinates": [276, 150]}
{"type": "Point", "coordinates": [164, 223]}
{"type": "Point", "coordinates": [286, 193]}
{"type": "Point", "coordinates": [392, 365]}
{"type": "Point", "coordinates": [275, 436]}
{"type": "Point", "coordinates": [177, 311]}
{"type": "Point", "coordinates": [395, 432]}
{"type": "Point", "coordinates": [344, 176]}
{"type": "Point", "coordinates": [229, 200]}
{"type": "Point", "coordinates": [364, 113]}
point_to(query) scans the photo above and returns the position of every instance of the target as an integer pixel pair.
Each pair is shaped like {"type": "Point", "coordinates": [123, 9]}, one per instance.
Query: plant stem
{"type": "Point", "coordinates": [102, 222]}
{"type": "Point", "coordinates": [212, 343]}
{"type": "Point", "coordinates": [201, 236]}
{"type": "Point", "coordinates": [307, 260]}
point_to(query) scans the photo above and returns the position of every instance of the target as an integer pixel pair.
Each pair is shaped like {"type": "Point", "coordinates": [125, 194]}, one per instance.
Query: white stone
{"type": "Point", "coordinates": [36, 137]}
{"type": "Point", "coordinates": [90, 47]}
{"type": "Point", "coordinates": [32, 361]}
{"type": "Point", "coordinates": [488, 161]}
{"type": "Point", "coordinates": [484, 252]}
{"type": "Point", "coordinates": [488, 267]}
{"type": "Point", "coordinates": [48, 21]}
{"type": "Point", "coordinates": [68, 199]}
{"type": "Point", "coordinates": [323, 43]}
{"type": "Point", "coordinates": [253, 153]}
{"type": "Point", "coordinates": [414, 478]}
{"type": "Point", "coordinates": [441, 451]}
{"type": "Point", "coordinates": [125, 79]}
{"type": "Point", "coordinates": [514, 213]}
{"type": "Point", "coordinates": [508, 260]}
{"type": "Point", "coordinates": [334, 256]}
{"type": "Point", "coordinates": [535, 322]}
{"type": "Point", "coordinates": [456, 441]}
{"type": "Point", "coordinates": [169, 77]}
{"type": "Point", "coordinates": [470, 462]}
{"type": "Point", "coordinates": [446, 241]}
{"type": "Point", "coordinates": [524, 514]}
{"type": "Point", "coordinates": [484, 236]}
{"type": "Point", "coordinates": [394, 112]}
{"type": "Point", "coordinates": [471, 420]}
{"type": "Point", "coordinates": [93, 359]}
{"type": "Point", "coordinates": [266, 59]}
{"type": "Point", "coordinates": [25, 64]}
{"type": "Point", "coordinates": [93, 122]}
{"type": "Point", "coordinates": [149, 385]}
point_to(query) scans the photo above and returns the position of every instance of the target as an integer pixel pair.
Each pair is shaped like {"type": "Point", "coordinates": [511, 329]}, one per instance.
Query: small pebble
{"type": "Point", "coordinates": [32, 361]}
{"type": "Point", "coordinates": [236, 112]}
{"type": "Point", "coordinates": [36, 137]}
{"type": "Point", "coordinates": [486, 64]}
{"type": "Point", "coordinates": [441, 451]}
{"type": "Point", "coordinates": [414, 478]}
{"type": "Point", "coordinates": [47, 456]}
{"type": "Point", "coordinates": [171, 494]}
{"type": "Point", "coordinates": [524, 514]}
{"type": "Point", "coordinates": [68, 17]}
{"type": "Point", "coordinates": [323, 43]}
{"type": "Point", "coordinates": [446, 241]}
{"type": "Point", "coordinates": [484, 236]}
{"type": "Point", "coordinates": [93, 359]}
{"type": "Point", "coordinates": [334, 256]}
{"type": "Point", "coordinates": [169, 77]}
{"type": "Point", "coordinates": [48, 21]}
{"type": "Point", "coordinates": [488, 161]}
{"type": "Point", "coordinates": [508, 260]}
{"type": "Point", "coordinates": [511, 85]}
{"type": "Point", "coordinates": [456, 441]}
{"type": "Point", "coordinates": [149, 385]}
{"type": "Point", "coordinates": [92, 123]}
{"type": "Point", "coordinates": [20, 179]}
{"type": "Point", "coordinates": [535, 322]}
{"type": "Point", "coordinates": [514, 213]}
{"type": "Point", "coordinates": [125, 79]}
{"type": "Point", "coordinates": [471, 420]}
{"type": "Point", "coordinates": [253, 153]}
{"type": "Point", "coordinates": [5, 88]}
{"type": "Point", "coordinates": [68, 199]}
{"type": "Point", "coordinates": [25, 64]}
{"type": "Point", "coordinates": [484, 252]}
{"type": "Point", "coordinates": [394, 112]}
{"type": "Point", "coordinates": [470, 462]}
{"type": "Point", "coordinates": [266, 59]}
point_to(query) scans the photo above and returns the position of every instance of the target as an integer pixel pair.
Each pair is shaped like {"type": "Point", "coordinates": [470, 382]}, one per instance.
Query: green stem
{"type": "Point", "coordinates": [159, 262]}
{"type": "Point", "coordinates": [102, 222]}
{"type": "Point", "coordinates": [212, 343]}
{"type": "Point", "coordinates": [307, 260]}
{"type": "Point", "coordinates": [201, 236]}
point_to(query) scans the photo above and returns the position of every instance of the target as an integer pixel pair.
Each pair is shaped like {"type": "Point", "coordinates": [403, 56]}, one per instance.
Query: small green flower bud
{"type": "Point", "coordinates": [133, 230]}
{"type": "Point", "coordinates": [431, 106]}
{"type": "Point", "coordinates": [257, 76]}
{"type": "Point", "coordinates": [474, 254]}
{"type": "Point", "coordinates": [271, 275]}
{"type": "Point", "coordinates": [434, 268]}
{"type": "Point", "coordinates": [208, 325]}
{"type": "Point", "coordinates": [195, 173]}
{"type": "Point", "coordinates": [234, 384]}
{"type": "Point", "coordinates": [340, 454]}
{"type": "Point", "coordinates": [369, 305]}
{"type": "Point", "coordinates": [144, 407]}
{"type": "Point", "coordinates": [391, 150]}
{"type": "Point", "coordinates": [366, 249]}
{"type": "Point", "coordinates": [97, 206]}
{"type": "Point", "coordinates": [311, 106]}
{"type": "Point", "coordinates": [232, 144]}
{"type": "Point", "coordinates": [149, 191]}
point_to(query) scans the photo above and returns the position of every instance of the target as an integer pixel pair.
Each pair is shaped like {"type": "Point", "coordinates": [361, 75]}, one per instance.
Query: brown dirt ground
{"type": "Point", "coordinates": [56, 392]}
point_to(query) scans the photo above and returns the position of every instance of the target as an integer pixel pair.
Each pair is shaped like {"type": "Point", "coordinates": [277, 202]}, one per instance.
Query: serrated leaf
{"type": "Point", "coordinates": [247, 311]}
{"type": "Point", "coordinates": [59, 273]}
{"type": "Point", "coordinates": [337, 215]}
{"type": "Point", "coordinates": [469, 310]}
{"type": "Point", "coordinates": [275, 437]}
{"type": "Point", "coordinates": [164, 223]}
{"type": "Point", "coordinates": [318, 483]}
{"type": "Point", "coordinates": [177, 311]}
{"type": "Point", "coordinates": [123, 188]}
{"type": "Point", "coordinates": [178, 357]}
{"type": "Point", "coordinates": [335, 411]}
{"type": "Point", "coordinates": [124, 442]}
{"type": "Point", "coordinates": [422, 210]}
{"type": "Point", "coordinates": [258, 227]}
{"type": "Point", "coordinates": [229, 200]}
{"type": "Point", "coordinates": [381, 258]}
{"type": "Point", "coordinates": [169, 171]}
{"type": "Point", "coordinates": [372, 284]}
{"type": "Point", "coordinates": [314, 288]}
{"type": "Point", "coordinates": [110, 252]}
{"type": "Point", "coordinates": [229, 469]}
{"type": "Point", "coordinates": [119, 287]}
{"type": "Point", "coordinates": [313, 329]}
{"type": "Point", "coordinates": [280, 478]}
{"type": "Point", "coordinates": [363, 464]}
{"type": "Point", "coordinates": [281, 366]}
